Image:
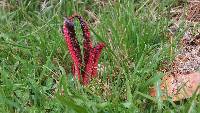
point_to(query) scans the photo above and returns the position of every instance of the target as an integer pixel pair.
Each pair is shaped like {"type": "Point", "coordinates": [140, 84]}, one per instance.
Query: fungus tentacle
{"type": "Point", "coordinates": [97, 52]}
{"type": "Point", "coordinates": [73, 46]}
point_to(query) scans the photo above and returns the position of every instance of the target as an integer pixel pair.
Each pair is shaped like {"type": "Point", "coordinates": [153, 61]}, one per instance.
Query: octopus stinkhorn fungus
{"type": "Point", "coordinates": [85, 68]}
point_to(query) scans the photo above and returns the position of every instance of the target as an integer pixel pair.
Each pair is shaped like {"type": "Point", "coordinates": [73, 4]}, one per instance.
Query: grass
{"type": "Point", "coordinates": [35, 66]}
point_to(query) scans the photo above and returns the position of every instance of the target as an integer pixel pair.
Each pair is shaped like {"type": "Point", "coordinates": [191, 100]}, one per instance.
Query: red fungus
{"type": "Point", "coordinates": [73, 46]}
{"type": "Point", "coordinates": [91, 54]}
{"type": "Point", "coordinates": [97, 53]}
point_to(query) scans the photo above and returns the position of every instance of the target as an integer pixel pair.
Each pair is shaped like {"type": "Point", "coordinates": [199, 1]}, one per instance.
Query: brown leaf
{"type": "Point", "coordinates": [179, 87]}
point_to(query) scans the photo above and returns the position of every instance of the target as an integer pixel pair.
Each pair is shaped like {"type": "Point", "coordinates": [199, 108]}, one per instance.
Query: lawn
{"type": "Point", "coordinates": [35, 64]}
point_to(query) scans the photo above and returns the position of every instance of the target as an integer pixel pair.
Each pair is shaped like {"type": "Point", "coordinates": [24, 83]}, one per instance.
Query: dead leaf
{"type": "Point", "coordinates": [179, 87]}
